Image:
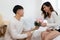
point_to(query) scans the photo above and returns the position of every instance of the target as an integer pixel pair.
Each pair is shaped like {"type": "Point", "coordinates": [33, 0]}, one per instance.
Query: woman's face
{"type": "Point", "coordinates": [46, 8]}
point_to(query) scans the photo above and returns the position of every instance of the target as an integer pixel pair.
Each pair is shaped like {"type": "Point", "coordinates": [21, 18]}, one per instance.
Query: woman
{"type": "Point", "coordinates": [51, 16]}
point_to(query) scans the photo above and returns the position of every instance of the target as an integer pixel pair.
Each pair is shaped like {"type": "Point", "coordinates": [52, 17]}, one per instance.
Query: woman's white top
{"type": "Point", "coordinates": [15, 29]}
{"type": "Point", "coordinates": [53, 20]}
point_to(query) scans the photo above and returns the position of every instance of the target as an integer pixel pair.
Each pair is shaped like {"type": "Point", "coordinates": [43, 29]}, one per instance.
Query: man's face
{"type": "Point", "coordinates": [20, 12]}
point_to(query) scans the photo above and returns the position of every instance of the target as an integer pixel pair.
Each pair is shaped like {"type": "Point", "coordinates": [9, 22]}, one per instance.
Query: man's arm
{"type": "Point", "coordinates": [14, 34]}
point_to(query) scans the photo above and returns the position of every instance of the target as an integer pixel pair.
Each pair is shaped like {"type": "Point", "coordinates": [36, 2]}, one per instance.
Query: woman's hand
{"type": "Point", "coordinates": [48, 30]}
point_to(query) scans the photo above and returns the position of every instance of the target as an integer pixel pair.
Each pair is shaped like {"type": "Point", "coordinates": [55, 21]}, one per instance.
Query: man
{"type": "Point", "coordinates": [16, 26]}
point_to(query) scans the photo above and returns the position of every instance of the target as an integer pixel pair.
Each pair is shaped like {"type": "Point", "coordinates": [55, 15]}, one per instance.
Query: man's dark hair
{"type": "Point", "coordinates": [17, 7]}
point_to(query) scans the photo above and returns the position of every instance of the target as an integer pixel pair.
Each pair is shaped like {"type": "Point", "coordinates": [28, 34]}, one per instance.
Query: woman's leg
{"type": "Point", "coordinates": [52, 35]}
{"type": "Point", "coordinates": [43, 34]}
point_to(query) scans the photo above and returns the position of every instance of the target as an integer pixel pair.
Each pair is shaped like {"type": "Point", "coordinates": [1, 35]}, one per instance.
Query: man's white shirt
{"type": "Point", "coordinates": [15, 29]}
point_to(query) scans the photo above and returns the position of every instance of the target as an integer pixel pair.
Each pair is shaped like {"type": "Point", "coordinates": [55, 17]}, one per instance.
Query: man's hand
{"type": "Point", "coordinates": [29, 34]}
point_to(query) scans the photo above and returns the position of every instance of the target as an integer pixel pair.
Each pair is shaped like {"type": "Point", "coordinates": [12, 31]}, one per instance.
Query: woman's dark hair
{"type": "Point", "coordinates": [17, 7]}
{"type": "Point", "coordinates": [48, 4]}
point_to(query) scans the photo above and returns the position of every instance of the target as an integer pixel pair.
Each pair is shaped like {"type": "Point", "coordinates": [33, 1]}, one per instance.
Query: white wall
{"type": "Point", "coordinates": [6, 7]}
{"type": "Point", "coordinates": [31, 9]}
{"type": "Point", "coordinates": [58, 5]}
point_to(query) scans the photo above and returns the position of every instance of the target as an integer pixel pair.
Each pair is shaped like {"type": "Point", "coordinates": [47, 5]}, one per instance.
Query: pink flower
{"type": "Point", "coordinates": [39, 20]}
